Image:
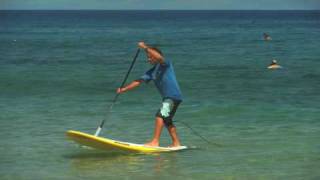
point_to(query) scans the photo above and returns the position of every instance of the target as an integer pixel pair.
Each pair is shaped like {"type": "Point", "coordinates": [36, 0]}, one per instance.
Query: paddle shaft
{"type": "Point", "coordinates": [117, 95]}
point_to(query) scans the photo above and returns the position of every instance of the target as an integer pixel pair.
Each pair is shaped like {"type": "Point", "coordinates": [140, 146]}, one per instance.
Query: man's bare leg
{"type": "Point", "coordinates": [157, 132]}
{"type": "Point", "coordinates": [174, 136]}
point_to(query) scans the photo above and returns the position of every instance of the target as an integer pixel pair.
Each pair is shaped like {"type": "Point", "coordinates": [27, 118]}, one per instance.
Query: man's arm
{"type": "Point", "coordinates": [130, 86]}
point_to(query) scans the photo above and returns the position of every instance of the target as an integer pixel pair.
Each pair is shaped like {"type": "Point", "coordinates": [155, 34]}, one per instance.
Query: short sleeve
{"type": "Point", "coordinates": [147, 76]}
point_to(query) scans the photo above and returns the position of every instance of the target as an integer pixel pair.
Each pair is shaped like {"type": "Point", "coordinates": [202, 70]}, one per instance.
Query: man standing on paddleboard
{"type": "Point", "coordinates": [164, 78]}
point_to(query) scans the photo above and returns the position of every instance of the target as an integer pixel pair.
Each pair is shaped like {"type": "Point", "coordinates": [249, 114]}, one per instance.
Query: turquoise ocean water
{"type": "Point", "coordinates": [59, 71]}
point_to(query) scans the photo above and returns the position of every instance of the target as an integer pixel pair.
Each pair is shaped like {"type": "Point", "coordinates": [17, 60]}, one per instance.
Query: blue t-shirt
{"type": "Point", "coordinates": [165, 80]}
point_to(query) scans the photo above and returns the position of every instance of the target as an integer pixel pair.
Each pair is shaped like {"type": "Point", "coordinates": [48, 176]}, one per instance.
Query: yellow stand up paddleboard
{"type": "Point", "coordinates": [274, 67]}
{"type": "Point", "coordinates": [113, 145]}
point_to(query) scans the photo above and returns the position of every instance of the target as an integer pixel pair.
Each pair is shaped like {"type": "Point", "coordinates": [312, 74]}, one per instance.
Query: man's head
{"type": "Point", "coordinates": [154, 55]}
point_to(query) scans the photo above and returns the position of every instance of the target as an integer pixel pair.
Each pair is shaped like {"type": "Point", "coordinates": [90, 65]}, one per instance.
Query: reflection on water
{"type": "Point", "coordinates": [99, 164]}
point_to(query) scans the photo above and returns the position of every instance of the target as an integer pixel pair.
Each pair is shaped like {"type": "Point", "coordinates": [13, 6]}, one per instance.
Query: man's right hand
{"type": "Point", "coordinates": [142, 45]}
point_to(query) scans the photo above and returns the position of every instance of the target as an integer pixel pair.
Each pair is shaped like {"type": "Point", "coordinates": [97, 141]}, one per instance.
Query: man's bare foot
{"type": "Point", "coordinates": [174, 145]}
{"type": "Point", "coordinates": [151, 143]}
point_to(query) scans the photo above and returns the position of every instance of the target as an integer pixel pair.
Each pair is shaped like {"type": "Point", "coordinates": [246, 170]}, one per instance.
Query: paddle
{"type": "Point", "coordinates": [116, 96]}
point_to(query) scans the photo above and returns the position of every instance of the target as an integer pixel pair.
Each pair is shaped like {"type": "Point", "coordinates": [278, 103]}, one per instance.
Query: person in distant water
{"type": "Point", "coordinates": [267, 37]}
{"type": "Point", "coordinates": [274, 65]}
{"type": "Point", "coordinates": [164, 78]}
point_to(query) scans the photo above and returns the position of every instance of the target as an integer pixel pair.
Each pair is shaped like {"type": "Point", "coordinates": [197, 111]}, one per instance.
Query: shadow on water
{"type": "Point", "coordinates": [91, 162]}
{"type": "Point", "coordinates": [97, 164]}
{"type": "Point", "coordinates": [97, 155]}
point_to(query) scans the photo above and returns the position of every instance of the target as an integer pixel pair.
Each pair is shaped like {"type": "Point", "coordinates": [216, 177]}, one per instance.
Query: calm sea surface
{"type": "Point", "coordinates": [59, 71]}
